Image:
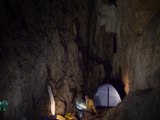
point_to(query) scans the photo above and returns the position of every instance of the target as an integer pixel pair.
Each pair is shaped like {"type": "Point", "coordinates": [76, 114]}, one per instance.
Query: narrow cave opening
{"type": "Point", "coordinates": [114, 44]}
{"type": "Point", "coordinates": [112, 2]}
{"type": "Point", "coordinates": [118, 83]}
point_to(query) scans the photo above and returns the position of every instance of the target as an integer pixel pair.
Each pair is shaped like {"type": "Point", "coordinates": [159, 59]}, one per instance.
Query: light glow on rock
{"type": "Point", "coordinates": [126, 83]}
{"type": "Point", "coordinates": [51, 99]}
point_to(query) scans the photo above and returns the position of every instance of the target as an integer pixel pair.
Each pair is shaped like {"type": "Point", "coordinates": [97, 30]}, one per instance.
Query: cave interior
{"type": "Point", "coordinates": [55, 51]}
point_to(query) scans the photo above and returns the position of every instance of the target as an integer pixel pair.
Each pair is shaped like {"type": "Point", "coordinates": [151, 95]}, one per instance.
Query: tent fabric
{"type": "Point", "coordinates": [106, 96]}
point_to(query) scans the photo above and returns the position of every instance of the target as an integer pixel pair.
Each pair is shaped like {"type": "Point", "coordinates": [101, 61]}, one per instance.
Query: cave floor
{"type": "Point", "coordinates": [100, 115]}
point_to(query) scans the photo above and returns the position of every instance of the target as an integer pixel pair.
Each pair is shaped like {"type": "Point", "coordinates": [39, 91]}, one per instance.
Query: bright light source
{"type": "Point", "coordinates": [126, 83]}
{"type": "Point", "coordinates": [51, 100]}
{"type": "Point", "coordinates": [81, 105]}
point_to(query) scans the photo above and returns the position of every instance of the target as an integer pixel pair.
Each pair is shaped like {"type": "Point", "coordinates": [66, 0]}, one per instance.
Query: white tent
{"type": "Point", "coordinates": [106, 96]}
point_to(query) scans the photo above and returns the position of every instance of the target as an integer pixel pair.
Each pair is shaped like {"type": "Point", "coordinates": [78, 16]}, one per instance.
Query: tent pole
{"type": "Point", "coordinates": [108, 96]}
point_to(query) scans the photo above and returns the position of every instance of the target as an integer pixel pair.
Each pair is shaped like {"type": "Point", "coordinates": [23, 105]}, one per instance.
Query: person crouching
{"type": "Point", "coordinates": [90, 105]}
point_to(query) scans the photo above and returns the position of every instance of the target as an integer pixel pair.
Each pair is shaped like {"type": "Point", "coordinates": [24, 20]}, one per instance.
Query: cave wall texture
{"type": "Point", "coordinates": [38, 47]}
{"type": "Point", "coordinates": [139, 43]}
{"type": "Point", "coordinates": [75, 45]}
{"type": "Point", "coordinates": [139, 59]}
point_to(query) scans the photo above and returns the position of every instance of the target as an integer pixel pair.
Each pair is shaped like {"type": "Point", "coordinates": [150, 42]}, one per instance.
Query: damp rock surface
{"type": "Point", "coordinates": [137, 106]}
{"type": "Point", "coordinates": [75, 46]}
{"type": "Point", "coordinates": [37, 48]}
{"type": "Point", "coordinates": [138, 44]}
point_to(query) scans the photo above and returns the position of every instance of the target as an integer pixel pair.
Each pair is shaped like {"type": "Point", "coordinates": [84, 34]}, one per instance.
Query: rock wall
{"type": "Point", "coordinates": [138, 44]}
{"type": "Point", "coordinates": [103, 42]}
{"type": "Point", "coordinates": [139, 59]}
{"type": "Point", "coordinates": [137, 106]}
{"type": "Point", "coordinates": [38, 46]}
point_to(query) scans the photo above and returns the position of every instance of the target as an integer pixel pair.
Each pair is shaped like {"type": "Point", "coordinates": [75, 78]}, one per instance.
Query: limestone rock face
{"type": "Point", "coordinates": [137, 106]}
{"type": "Point", "coordinates": [139, 60]}
{"type": "Point", "coordinates": [138, 44]}
{"type": "Point", "coordinates": [38, 47]}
